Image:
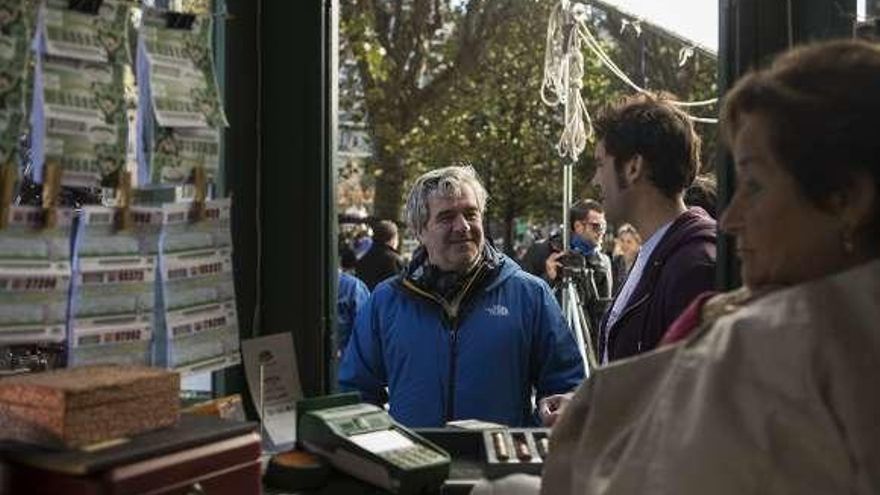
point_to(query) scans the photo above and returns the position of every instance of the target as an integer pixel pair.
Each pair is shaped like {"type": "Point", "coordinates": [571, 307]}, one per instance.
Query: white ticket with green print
{"type": "Point", "coordinates": [183, 85]}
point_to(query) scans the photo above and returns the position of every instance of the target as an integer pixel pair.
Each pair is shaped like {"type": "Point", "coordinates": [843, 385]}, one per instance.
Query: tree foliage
{"type": "Point", "coordinates": [496, 120]}
{"type": "Point", "coordinates": [476, 97]}
{"type": "Point", "coordinates": [409, 53]}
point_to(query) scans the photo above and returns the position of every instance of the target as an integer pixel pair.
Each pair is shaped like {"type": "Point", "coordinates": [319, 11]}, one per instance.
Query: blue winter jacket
{"type": "Point", "coordinates": [509, 340]}
{"type": "Point", "coordinates": [351, 294]}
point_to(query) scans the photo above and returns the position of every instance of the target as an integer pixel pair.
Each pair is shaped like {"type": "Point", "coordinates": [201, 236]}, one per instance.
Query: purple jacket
{"type": "Point", "coordinates": [681, 267]}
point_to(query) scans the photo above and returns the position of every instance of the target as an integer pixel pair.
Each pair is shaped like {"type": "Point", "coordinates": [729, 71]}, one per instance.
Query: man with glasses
{"type": "Point", "coordinates": [546, 258]}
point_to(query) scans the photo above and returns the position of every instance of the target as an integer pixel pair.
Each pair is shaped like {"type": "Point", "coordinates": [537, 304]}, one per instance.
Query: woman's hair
{"type": "Point", "coordinates": [821, 102]}
{"type": "Point", "coordinates": [629, 229]}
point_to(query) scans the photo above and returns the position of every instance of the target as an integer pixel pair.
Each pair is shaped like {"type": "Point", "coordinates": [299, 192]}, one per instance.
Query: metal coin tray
{"type": "Point", "coordinates": [515, 450]}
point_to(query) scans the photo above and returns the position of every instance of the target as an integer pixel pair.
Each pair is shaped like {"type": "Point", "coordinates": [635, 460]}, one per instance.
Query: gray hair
{"type": "Point", "coordinates": [447, 182]}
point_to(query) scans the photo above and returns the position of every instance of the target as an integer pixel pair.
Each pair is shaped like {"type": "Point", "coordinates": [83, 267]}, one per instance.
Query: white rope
{"type": "Point", "coordinates": [564, 73]}
{"type": "Point", "coordinates": [563, 81]}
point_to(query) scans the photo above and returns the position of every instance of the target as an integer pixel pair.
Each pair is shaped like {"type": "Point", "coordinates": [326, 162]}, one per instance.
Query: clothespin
{"type": "Point", "coordinates": [123, 200]}
{"type": "Point", "coordinates": [51, 188]}
{"type": "Point", "coordinates": [8, 176]}
{"type": "Point", "coordinates": [85, 6]}
{"type": "Point", "coordinates": [179, 20]}
{"type": "Point", "coordinates": [200, 181]}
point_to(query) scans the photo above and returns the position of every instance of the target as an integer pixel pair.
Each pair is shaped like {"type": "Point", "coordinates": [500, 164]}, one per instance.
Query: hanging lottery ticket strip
{"type": "Point", "coordinates": [197, 323]}
{"type": "Point", "coordinates": [79, 112]}
{"type": "Point", "coordinates": [122, 282]}
{"type": "Point", "coordinates": [34, 287]}
{"type": "Point", "coordinates": [114, 278]}
{"type": "Point", "coordinates": [180, 116]}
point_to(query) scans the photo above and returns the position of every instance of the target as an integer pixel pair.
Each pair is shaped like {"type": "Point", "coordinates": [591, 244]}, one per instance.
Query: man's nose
{"type": "Point", "coordinates": [460, 224]}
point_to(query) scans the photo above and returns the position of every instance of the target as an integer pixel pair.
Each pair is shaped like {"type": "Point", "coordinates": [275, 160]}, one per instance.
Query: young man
{"type": "Point", "coordinates": [463, 332]}
{"type": "Point", "coordinates": [647, 155]}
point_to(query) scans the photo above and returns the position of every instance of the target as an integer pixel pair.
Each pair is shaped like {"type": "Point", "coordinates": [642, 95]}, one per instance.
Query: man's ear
{"type": "Point", "coordinates": [634, 169]}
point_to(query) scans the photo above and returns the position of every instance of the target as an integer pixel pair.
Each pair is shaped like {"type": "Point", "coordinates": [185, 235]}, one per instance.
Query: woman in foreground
{"type": "Point", "coordinates": [773, 389]}
{"type": "Point", "coordinates": [775, 392]}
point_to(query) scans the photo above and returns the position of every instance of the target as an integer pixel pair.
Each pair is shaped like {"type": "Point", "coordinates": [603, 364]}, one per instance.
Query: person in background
{"type": "Point", "coordinates": [382, 259]}
{"type": "Point", "coordinates": [586, 220]}
{"type": "Point", "coordinates": [773, 388]}
{"type": "Point", "coordinates": [351, 295]}
{"type": "Point", "coordinates": [626, 249]}
{"type": "Point", "coordinates": [704, 194]}
{"type": "Point", "coordinates": [347, 258]}
{"type": "Point", "coordinates": [361, 242]}
{"type": "Point", "coordinates": [463, 332]}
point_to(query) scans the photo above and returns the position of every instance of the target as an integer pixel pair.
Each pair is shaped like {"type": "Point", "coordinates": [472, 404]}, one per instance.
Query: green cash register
{"type": "Point", "coordinates": [363, 441]}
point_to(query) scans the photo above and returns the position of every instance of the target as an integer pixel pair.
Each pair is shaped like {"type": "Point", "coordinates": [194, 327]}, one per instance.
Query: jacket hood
{"type": "Point", "coordinates": [694, 225]}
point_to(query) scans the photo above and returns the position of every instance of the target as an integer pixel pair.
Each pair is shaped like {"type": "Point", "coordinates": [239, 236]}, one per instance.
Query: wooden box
{"type": "Point", "coordinates": [201, 455]}
{"type": "Point", "coordinates": [86, 405]}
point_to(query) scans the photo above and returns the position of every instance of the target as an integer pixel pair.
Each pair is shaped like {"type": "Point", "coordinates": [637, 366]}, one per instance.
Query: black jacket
{"type": "Point", "coordinates": [594, 300]}
{"type": "Point", "coordinates": [379, 263]}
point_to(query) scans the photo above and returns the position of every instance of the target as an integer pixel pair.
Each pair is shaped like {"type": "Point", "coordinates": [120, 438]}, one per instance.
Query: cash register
{"type": "Point", "coordinates": [363, 441]}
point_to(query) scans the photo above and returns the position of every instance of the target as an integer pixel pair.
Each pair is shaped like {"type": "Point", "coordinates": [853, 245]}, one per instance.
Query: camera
{"type": "Point", "coordinates": [576, 267]}
{"type": "Point", "coordinates": [573, 262]}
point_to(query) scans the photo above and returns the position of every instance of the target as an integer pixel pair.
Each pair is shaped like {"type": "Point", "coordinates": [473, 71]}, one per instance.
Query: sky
{"type": "Point", "coordinates": [696, 20]}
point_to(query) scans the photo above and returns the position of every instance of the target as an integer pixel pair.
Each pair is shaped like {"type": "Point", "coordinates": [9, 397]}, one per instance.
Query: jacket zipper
{"type": "Point", "coordinates": [453, 355]}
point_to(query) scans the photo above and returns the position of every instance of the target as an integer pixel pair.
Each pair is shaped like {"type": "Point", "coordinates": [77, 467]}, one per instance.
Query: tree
{"type": "Point", "coordinates": [487, 109]}
{"type": "Point", "coordinates": [409, 53]}
{"type": "Point", "coordinates": [496, 120]}
{"type": "Point", "coordinates": [660, 61]}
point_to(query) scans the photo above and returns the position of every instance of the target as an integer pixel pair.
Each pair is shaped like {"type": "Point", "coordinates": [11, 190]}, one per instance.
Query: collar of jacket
{"type": "Point", "coordinates": [691, 226]}
{"type": "Point", "coordinates": [448, 289]}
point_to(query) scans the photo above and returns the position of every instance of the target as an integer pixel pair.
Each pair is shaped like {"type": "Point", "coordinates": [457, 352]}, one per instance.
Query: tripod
{"type": "Point", "coordinates": [573, 311]}
{"type": "Point", "coordinates": [572, 308]}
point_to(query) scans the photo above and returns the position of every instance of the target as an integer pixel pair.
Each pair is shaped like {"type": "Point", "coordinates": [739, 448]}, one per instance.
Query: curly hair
{"type": "Point", "coordinates": [663, 135]}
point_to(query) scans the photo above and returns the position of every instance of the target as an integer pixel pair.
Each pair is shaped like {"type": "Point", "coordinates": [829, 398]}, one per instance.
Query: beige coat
{"type": "Point", "coordinates": [781, 396]}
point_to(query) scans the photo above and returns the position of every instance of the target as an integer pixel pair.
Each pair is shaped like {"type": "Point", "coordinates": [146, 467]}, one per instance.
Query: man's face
{"type": "Point", "coordinates": [453, 235]}
{"type": "Point", "coordinates": [607, 179]}
{"type": "Point", "coordinates": [592, 227]}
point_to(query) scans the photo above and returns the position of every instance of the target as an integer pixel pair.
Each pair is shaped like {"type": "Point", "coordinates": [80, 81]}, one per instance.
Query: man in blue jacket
{"type": "Point", "coordinates": [463, 332]}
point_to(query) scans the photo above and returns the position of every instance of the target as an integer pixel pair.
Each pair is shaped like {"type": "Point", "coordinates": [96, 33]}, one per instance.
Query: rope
{"type": "Point", "coordinates": [567, 31]}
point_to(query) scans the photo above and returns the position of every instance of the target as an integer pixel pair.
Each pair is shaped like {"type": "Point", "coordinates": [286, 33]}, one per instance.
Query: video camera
{"type": "Point", "coordinates": [573, 263]}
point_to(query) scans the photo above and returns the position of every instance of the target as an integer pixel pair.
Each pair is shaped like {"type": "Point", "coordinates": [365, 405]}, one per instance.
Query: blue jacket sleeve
{"type": "Point", "coordinates": [557, 365]}
{"type": "Point", "coordinates": [353, 294]}
{"type": "Point", "coordinates": [362, 368]}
